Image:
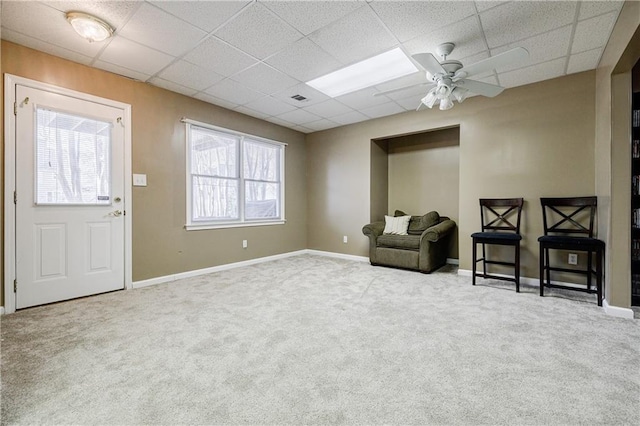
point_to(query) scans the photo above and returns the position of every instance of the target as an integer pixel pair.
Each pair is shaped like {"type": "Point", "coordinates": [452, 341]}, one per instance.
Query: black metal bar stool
{"type": "Point", "coordinates": [569, 225]}
{"type": "Point", "coordinates": [496, 215]}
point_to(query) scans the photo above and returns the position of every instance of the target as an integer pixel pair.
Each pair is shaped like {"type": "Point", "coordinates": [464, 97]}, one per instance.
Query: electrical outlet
{"type": "Point", "coordinates": [573, 259]}
{"type": "Point", "coordinates": [244, 244]}
{"type": "Point", "coordinates": [344, 239]}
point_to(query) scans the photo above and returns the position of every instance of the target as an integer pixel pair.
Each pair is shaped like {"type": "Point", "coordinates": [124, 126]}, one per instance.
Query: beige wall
{"type": "Point", "coordinates": [531, 141]}
{"type": "Point", "coordinates": [613, 164]}
{"type": "Point", "coordinates": [161, 246]}
{"type": "Point", "coordinates": [424, 171]}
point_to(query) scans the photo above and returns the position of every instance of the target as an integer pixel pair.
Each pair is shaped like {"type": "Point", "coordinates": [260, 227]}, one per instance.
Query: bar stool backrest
{"type": "Point", "coordinates": [497, 214]}
{"type": "Point", "coordinates": [569, 216]}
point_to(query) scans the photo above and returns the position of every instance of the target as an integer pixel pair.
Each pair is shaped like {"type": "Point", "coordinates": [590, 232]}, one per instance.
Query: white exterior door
{"type": "Point", "coordinates": [69, 197]}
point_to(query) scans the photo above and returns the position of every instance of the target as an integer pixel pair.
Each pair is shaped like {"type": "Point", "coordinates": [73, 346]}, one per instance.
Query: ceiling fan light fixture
{"type": "Point", "coordinates": [446, 104]}
{"type": "Point", "coordinates": [460, 94]}
{"type": "Point", "coordinates": [430, 99]}
{"type": "Point", "coordinates": [89, 27]}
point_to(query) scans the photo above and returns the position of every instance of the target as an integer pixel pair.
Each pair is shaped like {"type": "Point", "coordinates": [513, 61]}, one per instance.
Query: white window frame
{"type": "Point", "coordinates": [242, 221]}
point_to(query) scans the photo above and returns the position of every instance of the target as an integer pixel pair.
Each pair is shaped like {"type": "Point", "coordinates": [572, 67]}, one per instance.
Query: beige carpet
{"type": "Point", "coordinates": [317, 340]}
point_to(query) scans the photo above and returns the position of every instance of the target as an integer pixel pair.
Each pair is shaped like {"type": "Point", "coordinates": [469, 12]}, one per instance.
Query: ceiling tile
{"type": "Point", "coordinates": [544, 71]}
{"type": "Point", "coordinates": [231, 91]}
{"type": "Point", "coordinates": [320, 125]}
{"type": "Point", "coordinates": [362, 99]}
{"type": "Point", "coordinates": [188, 75]}
{"type": "Point", "coordinates": [279, 121]}
{"type": "Point", "coordinates": [308, 16]}
{"type": "Point", "coordinates": [328, 109]}
{"type": "Point", "coordinates": [42, 46]}
{"type": "Point", "coordinates": [382, 110]}
{"type": "Point", "coordinates": [257, 31]}
{"type": "Point", "coordinates": [115, 13]}
{"type": "Point", "coordinates": [593, 33]}
{"type": "Point", "coordinates": [302, 129]}
{"type": "Point", "coordinates": [584, 61]}
{"type": "Point", "coordinates": [466, 35]}
{"type": "Point", "coordinates": [252, 112]}
{"type": "Point", "coordinates": [304, 60]}
{"type": "Point", "coordinates": [117, 69]}
{"type": "Point", "coordinates": [349, 118]}
{"type": "Point", "coordinates": [215, 101]}
{"type": "Point", "coordinates": [127, 54]}
{"type": "Point", "coordinates": [263, 78]}
{"type": "Point", "coordinates": [312, 96]}
{"type": "Point", "coordinates": [542, 48]}
{"type": "Point", "coordinates": [483, 5]}
{"type": "Point", "coordinates": [270, 106]}
{"type": "Point", "coordinates": [411, 103]}
{"type": "Point", "coordinates": [158, 29]}
{"type": "Point", "coordinates": [589, 9]}
{"type": "Point", "coordinates": [415, 83]}
{"type": "Point", "coordinates": [171, 86]}
{"type": "Point", "coordinates": [206, 15]}
{"type": "Point", "coordinates": [523, 19]}
{"type": "Point", "coordinates": [408, 19]}
{"type": "Point", "coordinates": [357, 36]}
{"type": "Point", "coordinates": [208, 53]}
{"type": "Point", "coordinates": [298, 116]}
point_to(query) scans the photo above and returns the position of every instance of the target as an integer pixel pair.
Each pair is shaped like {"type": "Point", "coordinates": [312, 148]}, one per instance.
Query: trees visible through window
{"type": "Point", "coordinates": [233, 178]}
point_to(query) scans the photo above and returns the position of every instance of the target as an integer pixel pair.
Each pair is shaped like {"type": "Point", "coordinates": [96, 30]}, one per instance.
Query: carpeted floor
{"type": "Point", "coordinates": [317, 340]}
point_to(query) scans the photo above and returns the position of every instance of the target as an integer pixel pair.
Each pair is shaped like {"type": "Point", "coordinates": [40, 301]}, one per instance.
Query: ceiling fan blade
{"type": "Point", "coordinates": [494, 62]}
{"type": "Point", "coordinates": [426, 83]}
{"type": "Point", "coordinates": [429, 63]}
{"type": "Point", "coordinates": [484, 89]}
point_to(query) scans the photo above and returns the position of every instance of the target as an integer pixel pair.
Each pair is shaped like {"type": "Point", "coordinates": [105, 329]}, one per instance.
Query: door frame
{"type": "Point", "coordinates": [9, 261]}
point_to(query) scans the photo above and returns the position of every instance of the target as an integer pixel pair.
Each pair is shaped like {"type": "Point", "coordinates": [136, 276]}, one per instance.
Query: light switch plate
{"type": "Point", "coordinates": [139, 180]}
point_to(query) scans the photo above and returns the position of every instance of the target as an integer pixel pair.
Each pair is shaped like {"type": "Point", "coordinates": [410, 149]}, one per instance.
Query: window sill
{"type": "Point", "coordinates": [195, 227]}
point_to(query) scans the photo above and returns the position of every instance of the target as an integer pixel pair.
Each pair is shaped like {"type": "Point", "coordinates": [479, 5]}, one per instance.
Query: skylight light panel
{"type": "Point", "coordinates": [378, 69]}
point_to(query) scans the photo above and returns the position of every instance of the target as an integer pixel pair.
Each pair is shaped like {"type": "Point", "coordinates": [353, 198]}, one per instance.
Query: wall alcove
{"type": "Point", "coordinates": [417, 173]}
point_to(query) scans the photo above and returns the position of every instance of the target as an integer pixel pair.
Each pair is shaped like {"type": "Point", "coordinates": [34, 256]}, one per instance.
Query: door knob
{"type": "Point", "coordinates": [115, 213]}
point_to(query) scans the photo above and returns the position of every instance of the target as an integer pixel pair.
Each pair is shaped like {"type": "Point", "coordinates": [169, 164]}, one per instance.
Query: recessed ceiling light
{"type": "Point", "coordinates": [378, 69]}
{"type": "Point", "coordinates": [89, 27]}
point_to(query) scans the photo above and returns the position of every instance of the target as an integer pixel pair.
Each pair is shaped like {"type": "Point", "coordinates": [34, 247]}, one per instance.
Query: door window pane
{"type": "Point", "coordinates": [73, 159]}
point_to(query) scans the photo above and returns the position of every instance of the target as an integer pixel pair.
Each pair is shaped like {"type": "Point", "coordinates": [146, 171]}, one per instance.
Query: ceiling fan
{"type": "Point", "coordinates": [447, 80]}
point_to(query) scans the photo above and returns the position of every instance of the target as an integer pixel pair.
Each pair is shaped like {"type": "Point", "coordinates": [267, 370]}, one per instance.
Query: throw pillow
{"type": "Point", "coordinates": [396, 225]}
{"type": "Point", "coordinates": [419, 224]}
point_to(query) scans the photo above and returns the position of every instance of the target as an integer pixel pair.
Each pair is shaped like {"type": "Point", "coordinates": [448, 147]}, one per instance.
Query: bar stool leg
{"type": "Point", "coordinates": [473, 272]}
{"type": "Point", "coordinates": [517, 267]}
{"type": "Point", "coordinates": [541, 261]}
{"type": "Point", "coordinates": [599, 277]}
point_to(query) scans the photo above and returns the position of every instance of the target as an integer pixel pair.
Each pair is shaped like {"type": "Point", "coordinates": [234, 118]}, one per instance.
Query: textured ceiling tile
{"type": "Point", "coordinates": [298, 116]}
{"type": "Point", "coordinates": [206, 15]}
{"type": "Point", "coordinates": [127, 54]}
{"type": "Point", "coordinates": [231, 91]}
{"type": "Point", "coordinates": [593, 33]}
{"type": "Point", "coordinates": [349, 118]}
{"type": "Point", "coordinates": [589, 9]}
{"type": "Point", "coordinates": [156, 28]}
{"type": "Point", "coordinates": [312, 96]}
{"type": "Point", "coordinates": [252, 112]}
{"type": "Point", "coordinates": [304, 60]}
{"type": "Point", "coordinates": [415, 84]}
{"type": "Point", "coordinates": [542, 48]}
{"type": "Point", "coordinates": [584, 61]}
{"type": "Point", "coordinates": [113, 12]}
{"type": "Point", "coordinates": [188, 75]}
{"type": "Point", "coordinates": [323, 124]}
{"type": "Point", "coordinates": [117, 69]}
{"type": "Point", "coordinates": [34, 43]}
{"type": "Point", "coordinates": [208, 55]}
{"type": "Point", "coordinates": [328, 109]}
{"type": "Point", "coordinates": [258, 32]}
{"type": "Point", "coordinates": [522, 19]}
{"type": "Point", "coordinates": [466, 35]}
{"type": "Point", "coordinates": [307, 16]}
{"type": "Point", "coordinates": [544, 71]}
{"type": "Point", "coordinates": [382, 110]}
{"type": "Point", "coordinates": [215, 101]}
{"type": "Point", "coordinates": [263, 78]}
{"type": "Point", "coordinates": [357, 36]}
{"type": "Point", "coordinates": [171, 86]}
{"type": "Point", "coordinates": [408, 19]}
{"type": "Point", "coordinates": [280, 122]}
{"type": "Point", "coordinates": [270, 106]}
{"type": "Point", "coordinates": [483, 5]}
{"type": "Point", "coordinates": [362, 99]}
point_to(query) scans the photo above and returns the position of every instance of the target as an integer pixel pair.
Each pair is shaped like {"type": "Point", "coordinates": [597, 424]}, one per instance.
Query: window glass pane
{"type": "Point", "coordinates": [213, 153]}
{"type": "Point", "coordinates": [214, 198]}
{"type": "Point", "coordinates": [261, 161]}
{"type": "Point", "coordinates": [73, 162]}
{"type": "Point", "coordinates": [262, 200]}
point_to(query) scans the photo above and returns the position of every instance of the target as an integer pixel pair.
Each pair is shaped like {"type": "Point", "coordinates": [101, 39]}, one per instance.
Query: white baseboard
{"type": "Point", "coordinates": [614, 311]}
{"type": "Point", "coordinates": [197, 272]}
{"type": "Point", "coordinates": [1, 310]}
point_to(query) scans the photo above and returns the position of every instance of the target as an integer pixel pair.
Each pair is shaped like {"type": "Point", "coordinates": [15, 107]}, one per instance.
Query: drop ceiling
{"type": "Point", "coordinates": [254, 56]}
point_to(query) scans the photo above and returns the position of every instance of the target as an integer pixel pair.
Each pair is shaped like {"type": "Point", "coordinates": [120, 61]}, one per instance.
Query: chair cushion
{"type": "Point", "coordinates": [562, 240]}
{"type": "Point", "coordinates": [497, 236]}
{"type": "Point", "coordinates": [418, 224]}
{"type": "Point", "coordinates": [408, 242]}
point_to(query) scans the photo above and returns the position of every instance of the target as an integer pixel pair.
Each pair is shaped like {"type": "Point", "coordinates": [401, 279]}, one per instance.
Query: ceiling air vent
{"type": "Point", "coordinates": [299, 98]}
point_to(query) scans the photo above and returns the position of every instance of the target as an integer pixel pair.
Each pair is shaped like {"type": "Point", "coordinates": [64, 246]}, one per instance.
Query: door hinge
{"type": "Point", "coordinates": [15, 197]}
{"type": "Point", "coordinates": [15, 286]}
{"type": "Point", "coordinates": [15, 108]}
